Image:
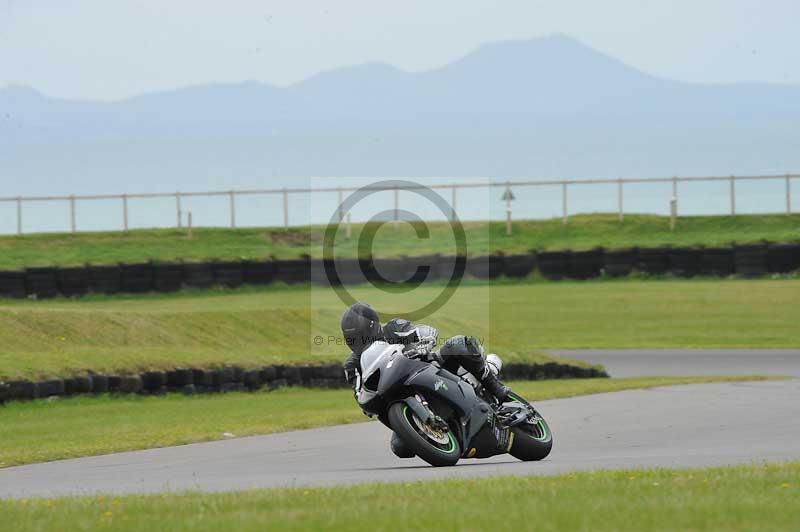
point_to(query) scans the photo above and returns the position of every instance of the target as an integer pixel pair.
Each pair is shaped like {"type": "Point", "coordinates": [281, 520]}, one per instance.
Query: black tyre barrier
{"type": "Point", "coordinates": [41, 282]}
{"type": "Point", "coordinates": [12, 284]}
{"type": "Point", "coordinates": [553, 265]}
{"type": "Point", "coordinates": [585, 264]}
{"type": "Point", "coordinates": [293, 271]}
{"type": "Point", "coordinates": [518, 266]}
{"type": "Point", "coordinates": [486, 267]}
{"type": "Point", "coordinates": [229, 274]}
{"type": "Point", "coordinates": [783, 258]}
{"type": "Point", "coordinates": [104, 279]}
{"type": "Point", "coordinates": [50, 388]}
{"type": "Point", "coordinates": [620, 262]}
{"type": "Point", "coordinates": [203, 378]}
{"type": "Point", "coordinates": [716, 261]}
{"type": "Point", "coordinates": [167, 277]}
{"type": "Point", "coordinates": [198, 275]}
{"type": "Point", "coordinates": [178, 378]}
{"type": "Point", "coordinates": [746, 260]}
{"type": "Point", "coordinates": [81, 384]}
{"type": "Point", "coordinates": [73, 282]}
{"type": "Point", "coordinates": [654, 261]}
{"type": "Point", "coordinates": [136, 278]}
{"type": "Point", "coordinates": [437, 266]}
{"type": "Point", "coordinates": [684, 262]}
{"type": "Point", "coordinates": [231, 379]}
{"type": "Point", "coordinates": [347, 271]}
{"type": "Point", "coordinates": [396, 271]}
{"type": "Point", "coordinates": [258, 272]}
{"type": "Point", "coordinates": [130, 384]}
{"type": "Point", "coordinates": [99, 383]}
{"type": "Point", "coordinates": [750, 260]}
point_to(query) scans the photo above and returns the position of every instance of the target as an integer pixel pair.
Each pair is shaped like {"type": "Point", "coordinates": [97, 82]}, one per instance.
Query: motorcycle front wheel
{"type": "Point", "coordinates": [532, 441]}
{"type": "Point", "coordinates": [437, 447]}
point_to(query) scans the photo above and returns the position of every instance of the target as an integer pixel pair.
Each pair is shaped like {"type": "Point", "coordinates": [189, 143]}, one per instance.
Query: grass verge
{"type": "Point", "coordinates": [258, 327]}
{"type": "Point", "coordinates": [45, 430]}
{"type": "Point", "coordinates": [582, 232]}
{"type": "Point", "coordinates": [748, 497]}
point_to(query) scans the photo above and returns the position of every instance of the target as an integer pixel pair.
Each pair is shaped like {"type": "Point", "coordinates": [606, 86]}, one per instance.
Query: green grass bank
{"type": "Point", "coordinates": [582, 232]}
{"type": "Point", "coordinates": [750, 497]}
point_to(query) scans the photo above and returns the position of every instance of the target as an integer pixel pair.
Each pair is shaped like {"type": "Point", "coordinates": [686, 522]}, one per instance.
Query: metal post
{"type": "Point", "coordinates": [453, 201]}
{"type": "Point", "coordinates": [733, 196]}
{"type": "Point", "coordinates": [125, 212]}
{"type": "Point", "coordinates": [396, 204]}
{"type": "Point", "coordinates": [788, 194]}
{"type": "Point", "coordinates": [619, 200]}
{"type": "Point", "coordinates": [233, 208]}
{"type": "Point", "coordinates": [564, 202]}
{"type": "Point", "coordinates": [189, 222]}
{"type": "Point", "coordinates": [341, 214]}
{"type": "Point", "coordinates": [675, 187]}
{"type": "Point", "coordinates": [508, 213]}
{"type": "Point", "coordinates": [178, 208]}
{"type": "Point", "coordinates": [72, 213]}
{"type": "Point", "coordinates": [285, 209]}
{"type": "Point", "coordinates": [19, 215]}
{"type": "Point", "coordinates": [673, 212]}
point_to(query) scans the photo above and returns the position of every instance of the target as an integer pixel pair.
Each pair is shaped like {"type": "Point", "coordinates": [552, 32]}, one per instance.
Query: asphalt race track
{"type": "Point", "coordinates": [634, 362]}
{"type": "Point", "coordinates": [678, 426]}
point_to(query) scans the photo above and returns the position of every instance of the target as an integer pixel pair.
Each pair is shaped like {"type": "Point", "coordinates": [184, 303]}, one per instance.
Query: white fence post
{"type": "Point", "coordinates": [619, 200]}
{"type": "Point", "coordinates": [72, 213]}
{"type": "Point", "coordinates": [733, 196]}
{"type": "Point", "coordinates": [233, 208]}
{"type": "Point", "coordinates": [19, 215]}
{"type": "Point", "coordinates": [453, 201]}
{"type": "Point", "coordinates": [564, 202]}
{"type": "Point", "coordinates": [178, 208]}
{"type": "Point", "coordinates": [396, 205]}
{"type": "Point", "coordinates": [788, 194]}
{"type": "Point", "coordinates": [125, 212]}
{"type": "Point", "coordinates": [285, 208]}
{"type": "Point", "coordinates": [341, 200]}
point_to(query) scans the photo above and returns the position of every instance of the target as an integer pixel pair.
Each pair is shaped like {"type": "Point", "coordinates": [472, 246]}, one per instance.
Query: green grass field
{"type": "Point", "coordinates": [749, 497]}
{"type": "Point", "coordinates": [255, 327]}
{"type": "Point", "coordinates": [38, 431]}
{"type": "Point", "coordinates": [582, 232]}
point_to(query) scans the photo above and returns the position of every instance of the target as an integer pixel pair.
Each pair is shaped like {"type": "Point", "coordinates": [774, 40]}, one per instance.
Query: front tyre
{"type": "Point", "coordinates": [532, 441]}
{"type": "Point", "coordinates": [437, 447]}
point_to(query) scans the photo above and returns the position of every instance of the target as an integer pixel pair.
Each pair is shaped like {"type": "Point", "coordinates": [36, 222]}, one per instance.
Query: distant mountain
{"type": "Point", "coordinates": [543, 106]}
{"type": "Point", "coordinates": [510, 85]}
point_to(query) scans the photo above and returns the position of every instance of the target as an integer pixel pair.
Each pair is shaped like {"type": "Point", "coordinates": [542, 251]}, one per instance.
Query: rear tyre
{"type": "Point", "coordinates": [438, 448]}
{"type": "Point", "coordinates": [531, 441]}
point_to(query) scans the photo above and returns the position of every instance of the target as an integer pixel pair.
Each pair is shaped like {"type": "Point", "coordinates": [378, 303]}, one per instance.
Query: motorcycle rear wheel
{"type": "Point", "coordinates": [437, 448]}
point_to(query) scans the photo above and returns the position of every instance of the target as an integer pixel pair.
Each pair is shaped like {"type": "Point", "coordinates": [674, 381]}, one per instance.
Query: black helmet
{"type": "Point", "coordinates": [360, 327]}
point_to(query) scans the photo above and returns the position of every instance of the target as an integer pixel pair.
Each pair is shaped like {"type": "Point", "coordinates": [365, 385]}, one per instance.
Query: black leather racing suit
{"type": "Point", "coordinates": [464, 351]}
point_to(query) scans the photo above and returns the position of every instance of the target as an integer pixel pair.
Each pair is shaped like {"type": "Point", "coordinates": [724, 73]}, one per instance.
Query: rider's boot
{"type": "Point", "coordinates": [493, 385]}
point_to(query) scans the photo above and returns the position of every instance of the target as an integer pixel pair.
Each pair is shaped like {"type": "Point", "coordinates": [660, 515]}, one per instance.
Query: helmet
{"type": "Point", "coordinates": [360, 327]}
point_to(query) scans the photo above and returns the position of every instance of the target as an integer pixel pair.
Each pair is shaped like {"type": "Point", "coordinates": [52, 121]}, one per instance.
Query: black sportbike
{"type": "Point", "coordinates": [441, 416]}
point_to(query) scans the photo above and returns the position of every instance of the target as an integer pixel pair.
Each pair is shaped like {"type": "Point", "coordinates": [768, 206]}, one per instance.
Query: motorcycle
{"type": "Point", "coordinates": [442, 416]}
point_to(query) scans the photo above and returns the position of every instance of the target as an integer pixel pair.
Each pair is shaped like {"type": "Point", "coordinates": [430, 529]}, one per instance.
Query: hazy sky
{"type": "Point", "coordinates": [112, 49]}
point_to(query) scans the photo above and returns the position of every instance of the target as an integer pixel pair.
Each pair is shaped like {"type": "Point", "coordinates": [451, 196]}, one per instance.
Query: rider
{"type": "Point", "coordinates": [361, 327]}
